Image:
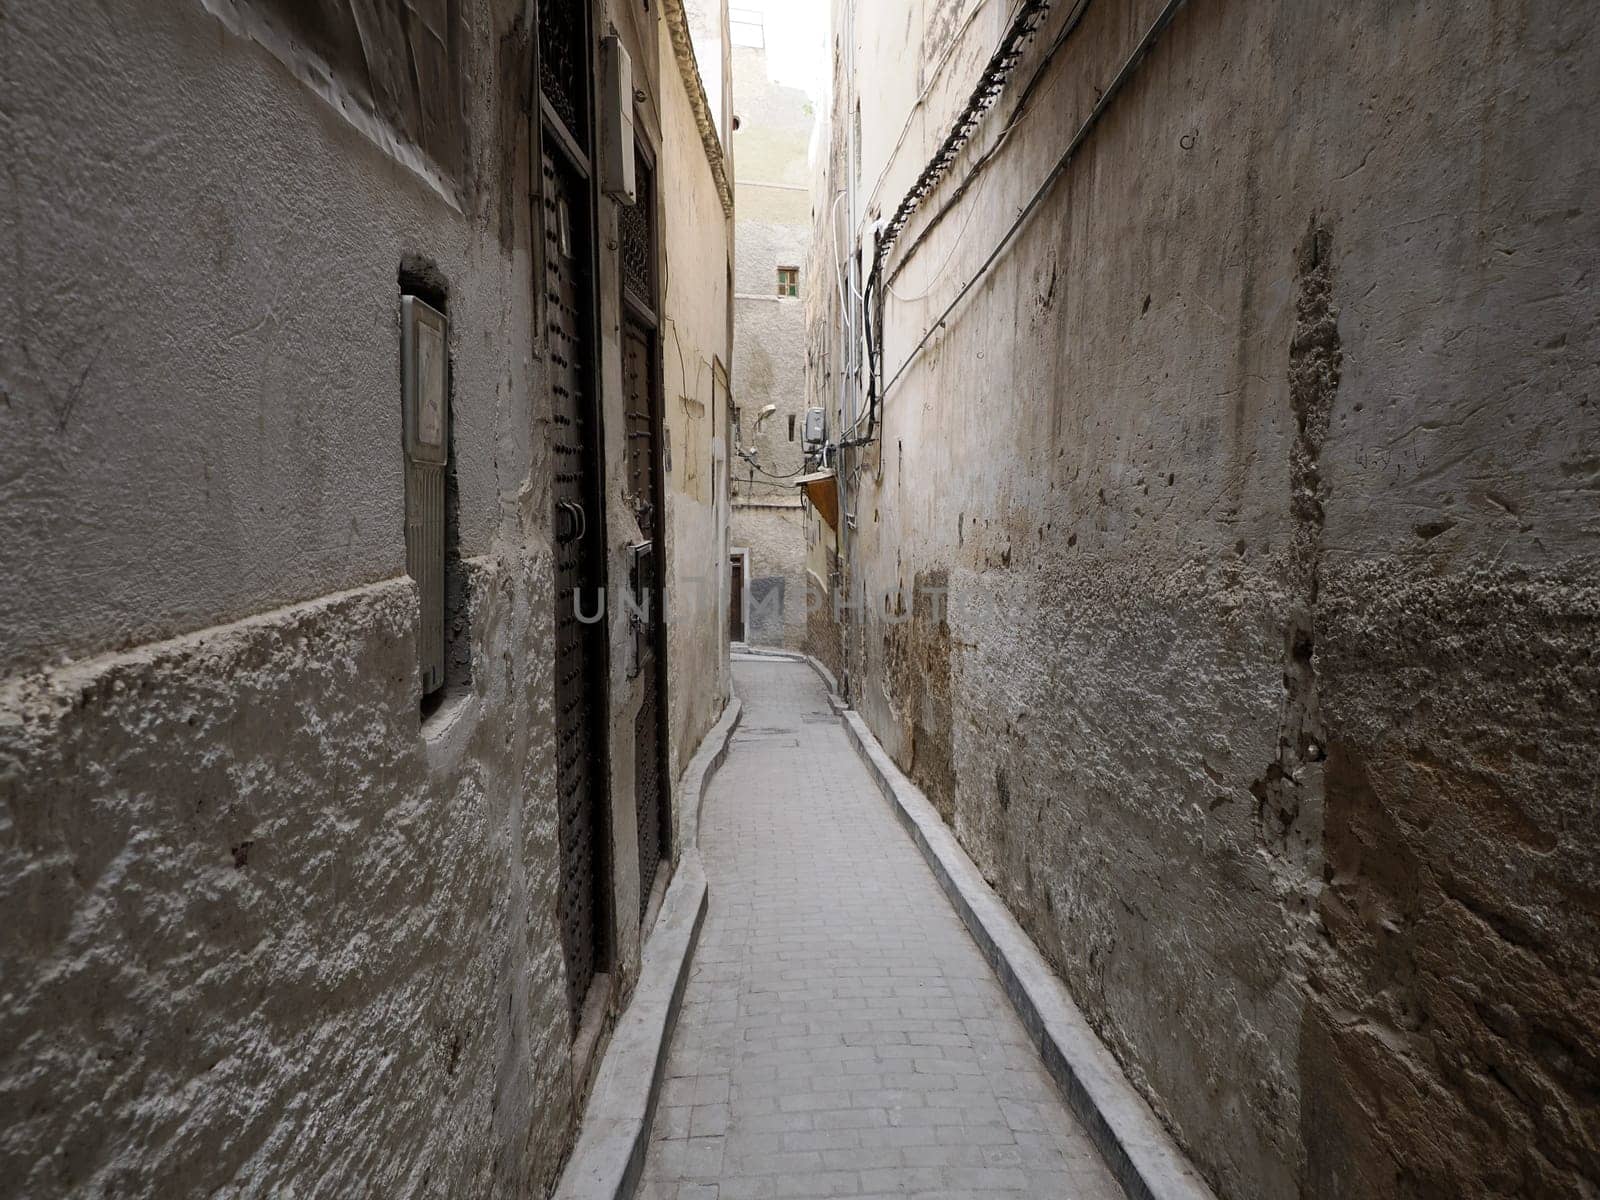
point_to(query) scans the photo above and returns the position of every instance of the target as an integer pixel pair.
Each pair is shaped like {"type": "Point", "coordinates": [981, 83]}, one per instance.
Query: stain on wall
{"type": "Point", "coordinates": [916, 672]}
{"type": "Point", "coordinates": [1450, 1034]}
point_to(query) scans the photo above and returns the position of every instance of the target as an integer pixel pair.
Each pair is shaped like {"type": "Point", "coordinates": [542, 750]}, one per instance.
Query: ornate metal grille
{"type": "Point", "coordinates": [564, 62]}
{"type": "Point", "coordinates": [639, 423]}
{"type": "Point", "coordinates": [638, 243]}
{"type": "Point", "coordinates": [650, 792]}
{"type": "Point", "coordinates": [577, 658]}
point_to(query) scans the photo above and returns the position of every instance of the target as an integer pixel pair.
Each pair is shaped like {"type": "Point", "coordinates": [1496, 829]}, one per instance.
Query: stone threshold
{"type": "Point", "coordinates": [614, 1136]}
{"type": "Point", "coordinates": [1135, 1146]}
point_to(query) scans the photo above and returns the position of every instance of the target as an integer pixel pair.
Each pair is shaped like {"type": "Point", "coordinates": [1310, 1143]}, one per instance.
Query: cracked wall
{"type": "Point", "coordinates": [1262, 467]}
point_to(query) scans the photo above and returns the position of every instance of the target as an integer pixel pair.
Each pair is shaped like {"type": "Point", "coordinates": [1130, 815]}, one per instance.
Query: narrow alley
{"type": "Point", "coordinates": [841, 1035]}
{"type": "Point", "coordinates": [759, 599]}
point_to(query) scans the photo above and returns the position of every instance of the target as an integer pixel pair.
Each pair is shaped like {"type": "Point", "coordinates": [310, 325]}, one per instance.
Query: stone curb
{"type": "Point", "coordinates": [1136, 1147]}
{"type": "Point", "coordinates": [614, 1136]}
{"type": "Point", "coordinates": [713, 750]}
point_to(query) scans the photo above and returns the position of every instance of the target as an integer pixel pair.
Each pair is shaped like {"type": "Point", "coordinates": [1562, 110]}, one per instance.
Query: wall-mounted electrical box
{"type": "Point", "coordinates": [425, 391]}
{"type": "Point", "coordinates": [816, 426]}
{"type": "Point", "coordinates": [616, 127]}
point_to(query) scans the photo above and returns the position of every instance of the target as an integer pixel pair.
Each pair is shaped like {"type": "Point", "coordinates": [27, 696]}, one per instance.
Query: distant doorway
{"type": "Point", "coordinates": [737, 563]}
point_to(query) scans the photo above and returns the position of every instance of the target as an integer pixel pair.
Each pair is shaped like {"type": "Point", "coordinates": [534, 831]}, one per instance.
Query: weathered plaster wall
{"type": "Point", "coordinates": [1262, 474]}
{"type": "Point", "coordinates": [827, 350]}
{"type": "Point", "coordinates": [205, 268]}
{"type": "Point", "coordinates": [697, 304]}
{"type": "Point", "coordinates": [821, 635]}
{"type": "Point", "coordinates": [264, 931]}
{"type": "Point", "coordinates": [261, 936]}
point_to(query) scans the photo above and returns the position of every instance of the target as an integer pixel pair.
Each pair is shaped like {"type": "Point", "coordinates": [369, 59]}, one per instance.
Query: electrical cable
{"type": "Point", "coordinates": [985, 93]}
{"type": "Point", "coordinates": [1024, 23]}
{"type": "Point", "coordinates": [933, 79]}
{"type": "Point", "coordinates": [938, 274]}
{"type": "Point", "coordinates": [803, 469]}
{"type": "Point", "coordinates": [1021, 109]}
{"type": "Point", "coordinates": [1126, 71]}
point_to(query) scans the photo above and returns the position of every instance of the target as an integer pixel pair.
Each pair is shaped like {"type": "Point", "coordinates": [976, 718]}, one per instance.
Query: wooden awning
{"type": "Point", "coordinates": [823, 492]}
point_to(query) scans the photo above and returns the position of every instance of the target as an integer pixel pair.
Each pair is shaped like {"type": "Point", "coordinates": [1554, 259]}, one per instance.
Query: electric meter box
{"type": "Point", "coordinates": [425, 392]}
{"type": "Point", "coordinates": [616, 131]}
{"type": "Point", "coordinates": [425, 378]}
{"type": "Point", "coordinates": [816, 426]}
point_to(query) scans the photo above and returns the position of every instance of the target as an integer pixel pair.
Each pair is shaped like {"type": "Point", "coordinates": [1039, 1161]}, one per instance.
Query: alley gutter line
{"type": "Point", "coordinates": [1134, 1144]}
{"type": "Point", "coordinates": [614, 1136]}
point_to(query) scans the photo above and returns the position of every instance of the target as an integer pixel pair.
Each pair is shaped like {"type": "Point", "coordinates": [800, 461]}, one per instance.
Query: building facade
{"type": "Point", "coordinates": [335, 362]}
{"type": "Point", "coordinates": [1217, 452]}
{"type": "Point", "coordinates": [771, 245]}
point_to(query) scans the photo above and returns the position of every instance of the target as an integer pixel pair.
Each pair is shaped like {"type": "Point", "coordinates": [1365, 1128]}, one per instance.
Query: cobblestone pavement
{"type": "Point", "coordinates": [841, 1035]}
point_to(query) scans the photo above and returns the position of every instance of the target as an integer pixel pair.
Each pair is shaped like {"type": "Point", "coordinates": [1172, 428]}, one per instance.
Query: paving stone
{"type": "Point", "coordinates": [840, 1033]}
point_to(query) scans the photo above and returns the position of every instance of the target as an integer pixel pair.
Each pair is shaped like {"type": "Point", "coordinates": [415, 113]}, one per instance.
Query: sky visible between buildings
{"type": "Point", "coordinates": [795, 35]}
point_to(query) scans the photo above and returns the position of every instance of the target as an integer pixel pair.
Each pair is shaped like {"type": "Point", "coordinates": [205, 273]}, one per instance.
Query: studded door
{"type": "Point", "coordinates": [580, 649]}
{"type": "Point", "coordinates": [636, 226]}
{"type": "Point", "coordinates": [650, 796]}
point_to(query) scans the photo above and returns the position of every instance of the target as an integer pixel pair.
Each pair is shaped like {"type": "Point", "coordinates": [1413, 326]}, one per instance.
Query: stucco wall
{"type": "Point", "coordinates": [262, 929]}
{"type": "Point", "coordinates": [697, 304]}
{"type": "Point", "coordinates": [1261, 474]}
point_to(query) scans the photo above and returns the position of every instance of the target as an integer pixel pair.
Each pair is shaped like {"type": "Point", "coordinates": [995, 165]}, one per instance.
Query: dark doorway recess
{"type": "Point", "coordinates": [571, 318]}
{"type": "Point", "coordinates": [641, 381]}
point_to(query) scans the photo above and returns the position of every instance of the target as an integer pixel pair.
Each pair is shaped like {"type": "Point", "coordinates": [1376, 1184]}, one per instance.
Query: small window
{"type": "Point", "coordinates": [788, 281]}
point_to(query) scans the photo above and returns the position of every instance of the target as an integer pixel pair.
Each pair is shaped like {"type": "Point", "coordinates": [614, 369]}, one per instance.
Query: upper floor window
{"type": "Point", "coordinates": [788, 281]}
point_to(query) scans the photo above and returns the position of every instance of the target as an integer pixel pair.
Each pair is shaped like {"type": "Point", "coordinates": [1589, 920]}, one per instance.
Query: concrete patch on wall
{"type": "Point", "coordinates": [1446, 1046]}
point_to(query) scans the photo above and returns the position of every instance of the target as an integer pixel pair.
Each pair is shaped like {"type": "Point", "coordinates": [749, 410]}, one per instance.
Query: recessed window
{"type": "Point", "coordinates": [432, 503]}
{"type": "Point", "coordinates": [788, 281]}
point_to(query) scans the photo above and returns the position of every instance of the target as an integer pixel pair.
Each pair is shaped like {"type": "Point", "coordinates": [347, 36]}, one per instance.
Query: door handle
{"type": "Point", "coordinates": [578, 528]}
